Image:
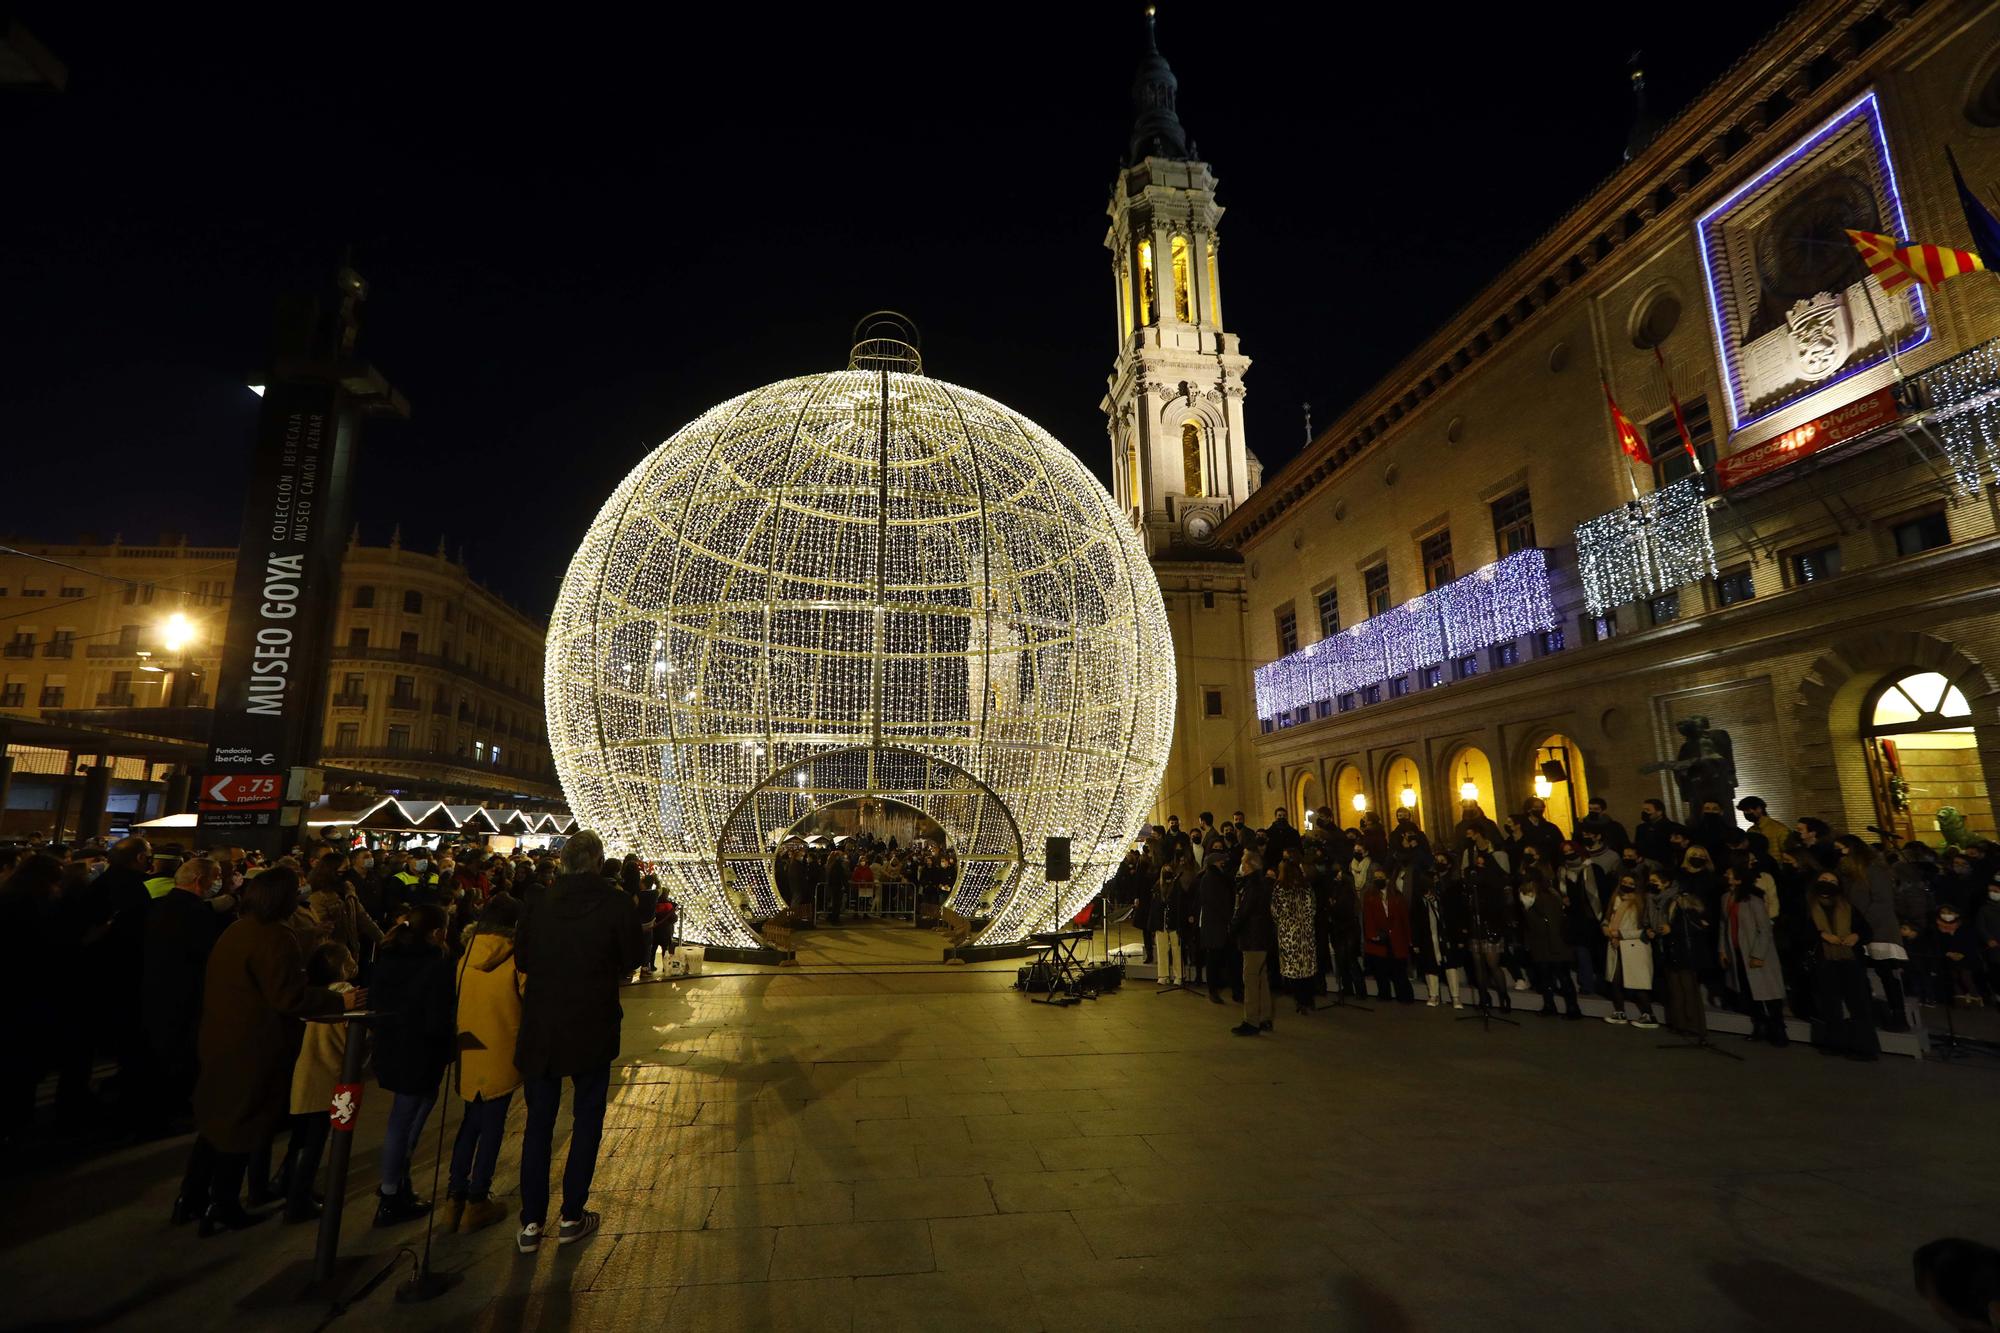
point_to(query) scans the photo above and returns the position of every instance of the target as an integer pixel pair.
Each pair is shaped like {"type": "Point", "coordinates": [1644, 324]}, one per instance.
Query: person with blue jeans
{"type": "Point", "coordinates": [413, 1047]}
{"type": "Point", "coordinates": [575, 944]}
{"type": "Point", "coordinates": [489, 1025]}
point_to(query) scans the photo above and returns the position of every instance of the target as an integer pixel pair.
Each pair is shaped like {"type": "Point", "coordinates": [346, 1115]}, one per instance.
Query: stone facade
{"type": "Point", "coordinates": [1508, 398]}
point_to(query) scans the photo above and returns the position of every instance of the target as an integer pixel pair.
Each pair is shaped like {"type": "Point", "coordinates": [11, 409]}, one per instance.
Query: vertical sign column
{"type": "Point", "coordinates": [268, 697]}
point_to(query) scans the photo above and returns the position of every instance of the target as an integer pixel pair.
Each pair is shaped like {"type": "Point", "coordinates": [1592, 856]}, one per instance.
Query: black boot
{"type": "Point", "coordinates": [232, 1218]}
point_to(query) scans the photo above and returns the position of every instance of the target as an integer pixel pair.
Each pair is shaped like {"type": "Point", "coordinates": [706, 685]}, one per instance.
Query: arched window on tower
{"type": "Point", "coordinates": [1214, 288]}
{"type": "Point", "coordinates": [1146, 293]}
{"type": "Point", "coordinates": [1191, 456]}
{"type": "Point", "coordinates": [1183, 288]}
{"type": "Point", "coordinates": [1135, 496]}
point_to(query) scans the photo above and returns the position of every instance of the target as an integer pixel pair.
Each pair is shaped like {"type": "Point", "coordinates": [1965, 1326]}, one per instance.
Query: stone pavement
{"type": "Point", "coordinates": [930, 1150]}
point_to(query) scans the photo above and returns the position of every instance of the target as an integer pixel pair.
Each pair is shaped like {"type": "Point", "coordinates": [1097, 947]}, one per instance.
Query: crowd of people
{"type": "Point", "coordinates": [168, 991]}
{"type": "Point", "coordinates": [1665, 921]}
{"type": "Point", "coordinates": [866, 876]}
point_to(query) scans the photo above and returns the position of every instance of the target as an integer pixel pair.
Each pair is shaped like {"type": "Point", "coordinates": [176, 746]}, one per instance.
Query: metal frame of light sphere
{"type": "Point", "coordinates": [861, 582]}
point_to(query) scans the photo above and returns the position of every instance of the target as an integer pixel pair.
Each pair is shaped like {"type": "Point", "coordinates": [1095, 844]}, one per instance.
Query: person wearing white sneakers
{"type": "Point", "coordinates": [1628, 961]}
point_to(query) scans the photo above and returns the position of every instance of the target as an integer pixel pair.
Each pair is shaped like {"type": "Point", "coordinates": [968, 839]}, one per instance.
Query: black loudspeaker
{"type": "Point", "coordinates": [1055, 860]}
{"type": "Point", "coordinates": [1553, 770]}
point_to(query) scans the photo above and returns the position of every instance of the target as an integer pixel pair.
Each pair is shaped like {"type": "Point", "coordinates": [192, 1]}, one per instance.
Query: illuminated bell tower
{"type": "Point", "coordinates": [1174, 406]}
{"type": "Point", "coordinates": [1175, 399]}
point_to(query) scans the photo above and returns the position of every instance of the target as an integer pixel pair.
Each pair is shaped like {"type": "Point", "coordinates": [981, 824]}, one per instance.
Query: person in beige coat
{"type": "Point", "coordinates": [313, 1078]}
{"type": "Point", "coordinates": [490, 983]}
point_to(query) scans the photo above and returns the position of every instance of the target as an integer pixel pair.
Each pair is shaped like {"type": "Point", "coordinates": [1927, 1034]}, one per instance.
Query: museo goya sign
{"type": "Point", "coordinates": [268, 697]}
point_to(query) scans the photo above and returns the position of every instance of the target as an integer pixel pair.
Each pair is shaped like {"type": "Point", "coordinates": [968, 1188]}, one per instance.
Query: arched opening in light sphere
{"type": "Point", "coordinates": [862, 582]}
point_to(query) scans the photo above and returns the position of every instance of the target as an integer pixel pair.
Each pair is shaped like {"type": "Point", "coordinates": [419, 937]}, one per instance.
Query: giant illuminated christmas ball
{"type": "Point", "coordinates": [863, 584]}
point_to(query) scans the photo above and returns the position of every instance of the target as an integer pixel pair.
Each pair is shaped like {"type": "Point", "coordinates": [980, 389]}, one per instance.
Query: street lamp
{"type": "Point", "coordinates": [176, 633]}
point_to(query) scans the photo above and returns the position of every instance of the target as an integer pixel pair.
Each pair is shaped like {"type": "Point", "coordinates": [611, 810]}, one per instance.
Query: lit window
{"type": "Point", "coordinates": [1178, 252]}
{"type": "Point", "coordinates": [1191, 456]}
{"type": "Point", "coordinates": [1146, 297]}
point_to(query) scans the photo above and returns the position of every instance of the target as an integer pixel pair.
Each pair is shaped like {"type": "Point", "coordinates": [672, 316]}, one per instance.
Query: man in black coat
{"type": "Point", "coordinates": [119, 902]}
{"type": "Point", "coordinates": [1217, 891]}
{"type": "Point", "coordinates": [182, 926]}
{"type": "Point", "coordinates": [1280, 838]}
{"type": "Point", "coordinates": [1253, 930]}
{"type": "Point", "coordinates": [575, 944]}
{"type": "Point", "coordinates": [1654, 836]}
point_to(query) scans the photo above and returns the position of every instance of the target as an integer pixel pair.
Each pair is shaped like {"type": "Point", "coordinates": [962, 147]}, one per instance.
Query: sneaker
{"type": "Point", "coordinates": [1245, 1029]}
{"type": "Point", "coordinates": [1645, 1023]}
{"type": "Point", "coordinates": [1458, 1004]}
{"type": "Point", "coordinates": [1616, 1016]}
{"type": "Point", "coordinates": [1520, 984]}
{"type": "Point", "coordinates": [529, 1238]}
{"type": "Point", "coordinates": [570, 1232]}
{"type": "Point", "coordinates": [1431, 1003]}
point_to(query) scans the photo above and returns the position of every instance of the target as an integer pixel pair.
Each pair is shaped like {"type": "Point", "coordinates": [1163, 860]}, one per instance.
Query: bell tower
{"type": "Point", "coordinates": [1179, 465]}
{"type": "Point", "coordinates": [1175, 398]}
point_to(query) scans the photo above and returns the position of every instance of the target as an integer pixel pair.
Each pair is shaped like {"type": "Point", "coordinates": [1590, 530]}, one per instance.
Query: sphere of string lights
{"type": "Point", "coordinates": [861, 583]}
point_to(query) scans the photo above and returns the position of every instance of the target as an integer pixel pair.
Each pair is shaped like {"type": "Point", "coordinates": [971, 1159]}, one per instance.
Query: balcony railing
{"type": "Point", "coordinates": [111, 650]}
{"type": "Point", "coordinates": [350, 701]}
{"type": "Point", "coordinates": [408, 703]}
{"type": "Point", "coordinates": [17, 649]}
{"type": "Point", "coordinates": [59, 648]}
{"type": "Point", "coordinates": [1493, 604]}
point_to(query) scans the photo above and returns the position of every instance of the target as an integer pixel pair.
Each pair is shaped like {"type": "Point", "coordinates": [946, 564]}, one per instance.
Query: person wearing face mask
{"type": "Point", "coordinates": [1953, 954]}
{"type": "Point", "coordinates": [1654, 836]}
{"type": "Point", "coordinates": [1628, 961]}
{"type": "Point", "coordinates": [1581, 881]}
{"type": "Point", "coordinates": [1843, 1019]}
{"type": "Point", "coordinates": [1684, 935]}
{"type": "Point", "coordinates": [1493, 923]}
{"type": "Point", "coordinates": [1340, 911]}
{"type": "Point", "coordinates": [1298, 951]}
{"type": "Point", "coordinates": [1440, 926]}
{"type": "Point", "coordinates": [1748, 950]}
{"type": "Point", "coordinates": [1385, 938]}
{"type": "Point", "coordinates": [1546, 943]}
{"type": "Point", "coordinates": [1215, 894]}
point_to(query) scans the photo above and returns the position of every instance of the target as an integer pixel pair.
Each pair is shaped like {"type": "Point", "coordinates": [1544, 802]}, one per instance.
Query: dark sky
{"type": "Point", "coordinates": [582, 230]}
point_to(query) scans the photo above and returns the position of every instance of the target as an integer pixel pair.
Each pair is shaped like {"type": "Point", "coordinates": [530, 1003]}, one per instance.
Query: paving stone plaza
{"type": "Point", "coordinates": [921, 1147]}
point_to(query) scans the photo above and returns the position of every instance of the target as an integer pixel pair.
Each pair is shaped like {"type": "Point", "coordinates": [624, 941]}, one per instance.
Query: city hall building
{"type": "Point", "coordinates": [1463, 587]}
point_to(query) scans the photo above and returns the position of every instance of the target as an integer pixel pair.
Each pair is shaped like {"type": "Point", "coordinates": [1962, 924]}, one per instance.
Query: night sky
{"type": "Point", "coordinates": [580, 231]}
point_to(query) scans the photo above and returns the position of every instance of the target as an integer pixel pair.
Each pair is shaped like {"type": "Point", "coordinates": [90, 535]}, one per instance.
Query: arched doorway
{"type": "Point", "coordinates": [1468, 776]}
{"type": "Point", "coordinates": [1556, 775]}
{"type": "Point", "coordinates": [1402, 789]}
{"type": "Point", "coordinates": [1923, 759]}
{"type": "Point", "coordinates": [1348, 787]}
{"type": "Point", "coordinates": [1306, 799]}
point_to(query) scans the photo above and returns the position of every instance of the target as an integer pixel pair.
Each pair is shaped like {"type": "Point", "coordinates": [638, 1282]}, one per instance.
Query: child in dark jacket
{"type": "Point", "coordinates": [413, 1047]}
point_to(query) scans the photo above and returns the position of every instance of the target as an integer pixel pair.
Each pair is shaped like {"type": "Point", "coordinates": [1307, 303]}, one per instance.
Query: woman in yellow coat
{"type": "Point", "coordinates": [490, 983]}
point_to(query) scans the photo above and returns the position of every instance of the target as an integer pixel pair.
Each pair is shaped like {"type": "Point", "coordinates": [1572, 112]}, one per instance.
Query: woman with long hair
{"type": "Point", "coordinates": [1748, 950]}
{"type": "Point", "coordinates": [1440, 926]}
{"type": "Point", "coordinates": [1298, 952]}
{"type": "Point", "coordinates": [1628, 960]}
{"type": "Point", "coordinates": [1871, 886]}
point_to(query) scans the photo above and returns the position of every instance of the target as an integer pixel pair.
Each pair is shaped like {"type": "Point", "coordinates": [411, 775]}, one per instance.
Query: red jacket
{"type": "Point", "coordinates": [1385, 915]}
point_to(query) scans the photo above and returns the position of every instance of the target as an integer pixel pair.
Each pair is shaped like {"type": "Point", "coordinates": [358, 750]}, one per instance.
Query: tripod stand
{"type": "Point", "coordinates": [1485, 1017]}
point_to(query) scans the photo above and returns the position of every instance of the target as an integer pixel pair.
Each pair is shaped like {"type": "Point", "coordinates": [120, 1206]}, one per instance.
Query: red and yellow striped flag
{"type": "Point", "coordinates": [1629, 439]}
{"type": "Point", "coordinates": [1897, 266]}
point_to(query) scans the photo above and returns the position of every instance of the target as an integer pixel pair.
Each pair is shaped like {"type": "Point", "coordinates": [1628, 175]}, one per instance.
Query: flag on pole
{"type": "Point", "coordinates": [1629, 438]}
{"type": "Point", "coordinates": [1680, 417]}
{"type": "Point", "coordinates": [1897, 266]}
{"type": "Point", "coordinates": [1979, 219]}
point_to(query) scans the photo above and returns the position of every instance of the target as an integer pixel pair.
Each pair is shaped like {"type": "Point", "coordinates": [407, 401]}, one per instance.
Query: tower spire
{"type": "Point", "coordinates": [1156, 126]}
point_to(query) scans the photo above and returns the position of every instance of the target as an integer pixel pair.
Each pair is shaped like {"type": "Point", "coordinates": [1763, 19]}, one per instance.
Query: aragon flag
{"type": "Point", "coordinates": [1897, 266]}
